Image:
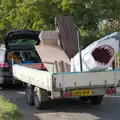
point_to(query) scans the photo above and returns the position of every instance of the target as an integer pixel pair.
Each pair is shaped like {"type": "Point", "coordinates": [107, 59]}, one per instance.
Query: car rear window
{"type": "Point", "coordinates": [2, 55]}
{"type": "Point", "coordinates": [24, 57]}
{"type": "Point", "coordinates": [22, 41]}
{"type": "Point", "coordinates": [31, 56]}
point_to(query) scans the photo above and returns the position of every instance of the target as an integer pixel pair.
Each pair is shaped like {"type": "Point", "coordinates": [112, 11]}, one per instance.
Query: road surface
{"type": "Point", "coordinates": [69, 109]}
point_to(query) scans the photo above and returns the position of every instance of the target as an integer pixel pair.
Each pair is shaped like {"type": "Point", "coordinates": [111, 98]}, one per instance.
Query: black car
{"type": "Point", "coordinates": [18, 49]}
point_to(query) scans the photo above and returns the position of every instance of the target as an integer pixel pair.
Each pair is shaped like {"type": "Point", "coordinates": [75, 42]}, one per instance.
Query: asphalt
{"type": "Point", "coordinates": [69, 109]}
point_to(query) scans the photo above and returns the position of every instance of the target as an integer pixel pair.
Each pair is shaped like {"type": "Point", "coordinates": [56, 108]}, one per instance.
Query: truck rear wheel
{"type": "Point", "coordinates": [30, 94]}
{"type": "Point", "coordinates": [96, 100]}
{"type": "Point", "coordinates": [40, 98]}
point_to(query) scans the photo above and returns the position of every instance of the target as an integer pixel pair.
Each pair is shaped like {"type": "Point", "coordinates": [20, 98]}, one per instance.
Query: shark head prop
{"type": "Point", "coordinates": [98, 55]}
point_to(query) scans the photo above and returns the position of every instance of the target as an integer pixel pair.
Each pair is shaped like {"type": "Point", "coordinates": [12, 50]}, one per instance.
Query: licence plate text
{"type": "Point", "coordinates": [81, 92]}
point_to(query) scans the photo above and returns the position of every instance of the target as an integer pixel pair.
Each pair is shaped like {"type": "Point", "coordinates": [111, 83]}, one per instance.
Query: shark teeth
{"type": "Point", "coordinates": [108, 48]}
{"type": "Point", "coordinates": [103, 51]}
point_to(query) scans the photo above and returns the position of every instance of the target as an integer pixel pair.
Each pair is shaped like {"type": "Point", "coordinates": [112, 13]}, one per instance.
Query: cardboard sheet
{"type": "Point", "coordinates": [50, 54]}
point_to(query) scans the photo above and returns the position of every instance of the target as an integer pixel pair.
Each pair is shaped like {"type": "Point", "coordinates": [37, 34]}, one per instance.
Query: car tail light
{"type": "Point", "coordinates": [2, 65]}
{"type": "Point", "coordinates": [111, 90]}
{"type": "Point", "coordinates": [67, 94]}
{"type": "Point", "coordinates": [42, 66]}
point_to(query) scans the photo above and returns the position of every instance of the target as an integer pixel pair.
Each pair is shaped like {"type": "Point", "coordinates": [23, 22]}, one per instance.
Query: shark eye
{"type": "Point", "coordinates": [103, 54]}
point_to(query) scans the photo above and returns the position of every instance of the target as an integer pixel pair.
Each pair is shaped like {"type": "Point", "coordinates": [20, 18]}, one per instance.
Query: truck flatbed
{"type": "Point", "coordinates": [68, 84]}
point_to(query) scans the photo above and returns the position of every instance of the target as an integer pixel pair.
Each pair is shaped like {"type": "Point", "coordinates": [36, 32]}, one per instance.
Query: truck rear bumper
{"type": "Point", "coordinates": [83, 92]}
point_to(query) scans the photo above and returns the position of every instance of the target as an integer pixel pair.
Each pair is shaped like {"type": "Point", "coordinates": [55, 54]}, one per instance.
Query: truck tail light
{"type": "Point", "coordinates": [111, 90]}
{"type": "Point", "coordinates": [67, 94]}
{"type": "Point", "coordinates": [4, 65]}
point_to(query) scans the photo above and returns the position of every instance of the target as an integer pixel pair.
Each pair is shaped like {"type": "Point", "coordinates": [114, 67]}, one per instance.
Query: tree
{"type": "Point", "coordinates": [40, 14]}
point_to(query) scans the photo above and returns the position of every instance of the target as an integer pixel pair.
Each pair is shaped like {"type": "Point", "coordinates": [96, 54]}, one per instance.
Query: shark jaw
{"type": "Point", "coordinates": [103, 54]}
{"type": "Point", "coordinates": [97, 56]}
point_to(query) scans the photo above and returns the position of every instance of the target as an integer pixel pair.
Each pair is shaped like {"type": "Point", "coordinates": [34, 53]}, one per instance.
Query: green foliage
{"type": "Point", "coordinates": [9, 111]}
{"type": "Point", "coordinates": [23, 41]}
{"type": "Point", "coordinates": [40, 14]}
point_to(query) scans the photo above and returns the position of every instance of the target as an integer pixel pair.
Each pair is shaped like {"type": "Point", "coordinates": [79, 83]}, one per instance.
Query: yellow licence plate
{"type": "Point", "coordinates": [81, 92]}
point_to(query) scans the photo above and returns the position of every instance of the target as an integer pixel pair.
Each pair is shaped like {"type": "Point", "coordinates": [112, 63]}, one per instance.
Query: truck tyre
{"type": "Point", "coordinates": [96, 100]}
{"type": "Point", "coordinates": [30, 94]}
{"type": "Point", "coordinates": [40, 98]}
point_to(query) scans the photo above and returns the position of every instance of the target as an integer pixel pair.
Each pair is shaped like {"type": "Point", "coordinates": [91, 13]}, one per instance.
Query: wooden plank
{"type": "Point", "coordinates": [67, 67]}
{"type": "Point", "coordinates": [67, 34]}
{"type": "Point", "coordinates": [56, 66]}
{"type": "Point", "coordinates": [62, 66]}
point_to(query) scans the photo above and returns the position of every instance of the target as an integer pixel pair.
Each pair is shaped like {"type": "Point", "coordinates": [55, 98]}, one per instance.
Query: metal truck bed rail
{"type": "Point", "coordinates": [57, 81]}
{"type": "Point", "coordinates": [42, 79]}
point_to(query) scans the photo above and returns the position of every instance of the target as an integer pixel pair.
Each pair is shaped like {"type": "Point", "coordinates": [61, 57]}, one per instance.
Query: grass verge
{"type": "Point", "coordinates": [9, 111]}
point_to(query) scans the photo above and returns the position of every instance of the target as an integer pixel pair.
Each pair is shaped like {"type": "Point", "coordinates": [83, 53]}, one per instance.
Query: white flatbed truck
{"type": "Point", "coordinates": [43, 85]}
